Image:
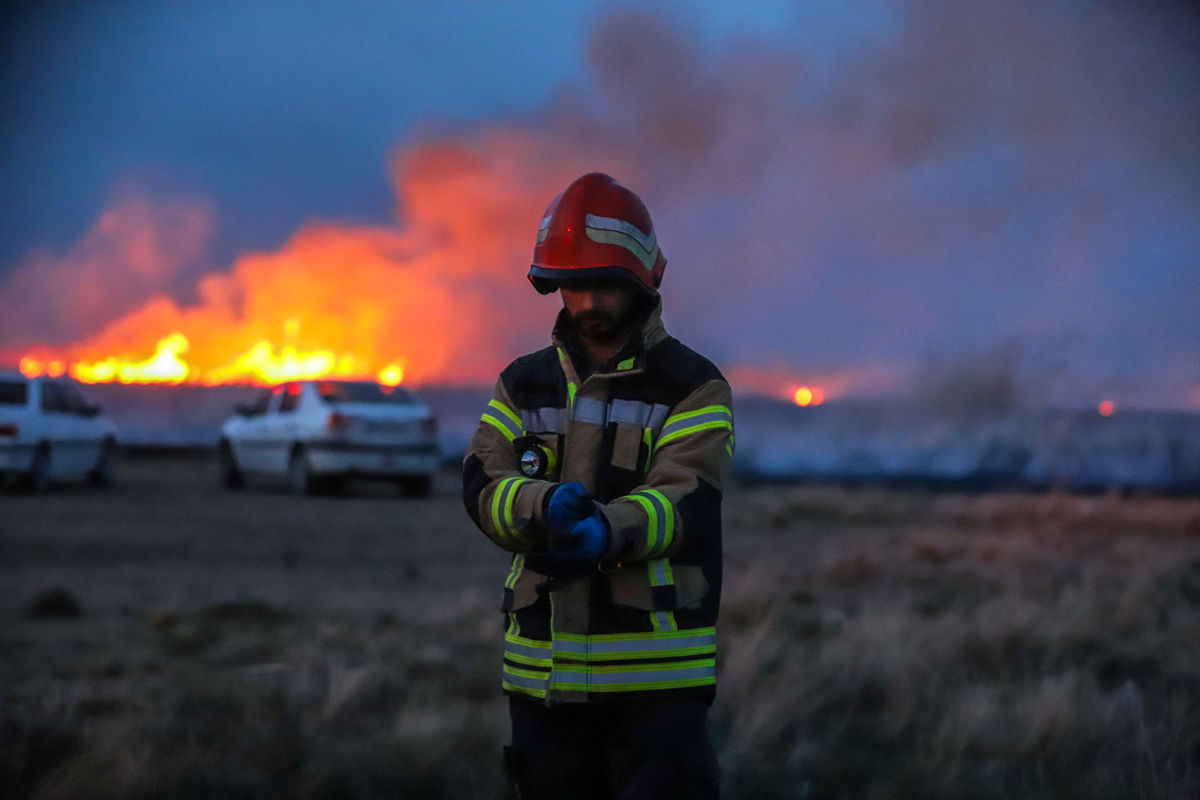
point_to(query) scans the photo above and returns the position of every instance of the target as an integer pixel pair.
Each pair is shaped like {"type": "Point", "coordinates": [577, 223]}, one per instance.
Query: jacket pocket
{"type": "Point", "coordinates": [636, 586]}
{"type": "Point", "coordinates": [524, 590]}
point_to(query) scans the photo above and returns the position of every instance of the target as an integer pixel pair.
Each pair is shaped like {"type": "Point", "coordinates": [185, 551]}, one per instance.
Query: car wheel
{"type": "Point", "coordinates": [231, 474]}
{"type": "Point", "coordinates": [416, 485]}
{"type": "Point", "coordinates": [101, 474]}
{"type": "Point", "coordinates": [334, 485]}
{"type": "Point", "coordinates": [300, 478]}
{"type": "Point", "coordinates": [38, 479]}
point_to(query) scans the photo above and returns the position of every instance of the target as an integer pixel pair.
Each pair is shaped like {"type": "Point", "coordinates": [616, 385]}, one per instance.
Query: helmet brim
{"type": "Point", "coordinates": [546, 280]}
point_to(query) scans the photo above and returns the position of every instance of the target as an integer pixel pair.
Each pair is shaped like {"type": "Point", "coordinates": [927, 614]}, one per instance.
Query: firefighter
{"type": "Point", "coordinates": [599, 463]}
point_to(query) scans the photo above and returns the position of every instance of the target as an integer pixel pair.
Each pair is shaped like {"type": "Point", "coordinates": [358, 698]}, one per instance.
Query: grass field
{"type": "Point", "coordinates": [166, 638]}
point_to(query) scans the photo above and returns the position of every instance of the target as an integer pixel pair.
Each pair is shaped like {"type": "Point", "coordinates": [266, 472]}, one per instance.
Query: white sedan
{"type": "Point", "coordinates": [318, 433]}
{"type": "Point", "coordinates": [48, 431]}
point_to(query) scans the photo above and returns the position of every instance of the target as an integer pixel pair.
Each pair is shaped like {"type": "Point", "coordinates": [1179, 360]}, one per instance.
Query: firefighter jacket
{"type": "Point", "coordinates": [650, 435]}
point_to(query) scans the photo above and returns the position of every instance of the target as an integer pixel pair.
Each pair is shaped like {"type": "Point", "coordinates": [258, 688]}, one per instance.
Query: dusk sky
{"type": "Point", "coordinates": [848, 194]}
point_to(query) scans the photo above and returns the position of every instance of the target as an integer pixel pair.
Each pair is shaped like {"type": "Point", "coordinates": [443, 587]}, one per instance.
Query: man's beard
{"type": "Point", "coordinates": [600, 326]}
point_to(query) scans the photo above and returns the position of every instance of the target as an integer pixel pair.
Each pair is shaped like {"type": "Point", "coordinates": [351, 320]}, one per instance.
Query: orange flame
{"type": "Point", "coordinates": [441, 298]}
{"type": "Point", "coordinates": [165, 366]}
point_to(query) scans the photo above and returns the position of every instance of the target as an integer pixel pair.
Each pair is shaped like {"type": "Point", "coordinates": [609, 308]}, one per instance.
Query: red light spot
{"type": "Point", "coordinates": [1107, 408]}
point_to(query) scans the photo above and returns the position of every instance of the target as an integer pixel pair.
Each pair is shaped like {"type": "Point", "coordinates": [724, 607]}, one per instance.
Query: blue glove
{"type": "Point", "coordinates": [567, 504]}
{"type": "Point", "coordinates": [583, 545]}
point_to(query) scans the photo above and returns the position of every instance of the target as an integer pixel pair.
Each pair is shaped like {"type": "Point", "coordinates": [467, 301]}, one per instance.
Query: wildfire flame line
{"type": "Point", "coordinates": [261, 364]}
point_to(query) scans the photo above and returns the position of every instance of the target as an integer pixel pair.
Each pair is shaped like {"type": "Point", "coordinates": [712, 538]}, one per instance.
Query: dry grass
{"type": "Point", "coordinates": [962, 646]}
{"type": "Point", "coordinates": [875, 643]}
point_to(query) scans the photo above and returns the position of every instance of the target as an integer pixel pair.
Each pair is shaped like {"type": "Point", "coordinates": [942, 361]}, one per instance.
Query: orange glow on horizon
{"type": "Point", "coordinates": [806, 396]}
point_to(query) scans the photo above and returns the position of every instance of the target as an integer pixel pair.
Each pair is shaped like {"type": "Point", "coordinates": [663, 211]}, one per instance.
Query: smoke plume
{"type": "Point", "coordinates": [983, 174]}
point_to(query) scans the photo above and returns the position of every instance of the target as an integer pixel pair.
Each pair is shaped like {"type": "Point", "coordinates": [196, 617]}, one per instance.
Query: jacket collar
{"type": "Point", "coordinates": [629, 360]}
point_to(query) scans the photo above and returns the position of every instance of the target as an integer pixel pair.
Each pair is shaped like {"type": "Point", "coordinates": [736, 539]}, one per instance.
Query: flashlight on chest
{"type": "Point", "coordinates": [535, 458]}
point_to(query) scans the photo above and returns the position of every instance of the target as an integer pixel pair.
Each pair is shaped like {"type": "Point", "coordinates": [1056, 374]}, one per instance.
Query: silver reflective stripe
{"type": "Point", "coordinates": [589, 409]}
{"type": "Point", "coordinates": [526, 681]}
{"type": "Point", "coordinates": [658, 572]}
{"type": "Point", "coordinates": [544, 420]}
{"type": "Point", "coordinates": [699, 419]}
{"type": "Point", "coordinates": [641, 676]}
{"type": "Point", "coordinates": [664, 620]}
{"type": "Point", "coordinates": [647, 241]}
{"type": "Point", "coordinates": [657, 644]}
{"type": "Point", "coordinates": [528, 651]}
{"type": "Point", "coordinates": [507, 489]}
{"type": "Point", "coordinates": [659, 538]}
{"type": "Point", "coordinates": [637, 413]}
{"type": "Point", "coordinates": [543, 230]}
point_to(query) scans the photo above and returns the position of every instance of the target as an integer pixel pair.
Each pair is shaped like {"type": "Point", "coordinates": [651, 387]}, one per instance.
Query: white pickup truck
{"type": "Point", "coordinates": [48, 431]}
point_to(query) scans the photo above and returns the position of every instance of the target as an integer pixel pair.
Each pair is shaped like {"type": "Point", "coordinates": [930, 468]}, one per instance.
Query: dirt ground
{"type": "Point", "coordinates": [166, 637]}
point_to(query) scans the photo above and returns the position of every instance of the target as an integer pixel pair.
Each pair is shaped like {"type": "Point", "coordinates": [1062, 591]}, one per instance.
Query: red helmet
{"type": "Point", "coordinates": [596, 229]}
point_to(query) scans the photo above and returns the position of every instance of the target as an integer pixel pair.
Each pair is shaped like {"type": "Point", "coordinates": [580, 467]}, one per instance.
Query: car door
{"type": "Point", "coordinates": [248, 432]}
{"type": "Point", "coordinates": [59, 427]}
{"type": "Point", "coordinates": [281, 427]}
{"type": "Point", "coordinates": [87, 428]}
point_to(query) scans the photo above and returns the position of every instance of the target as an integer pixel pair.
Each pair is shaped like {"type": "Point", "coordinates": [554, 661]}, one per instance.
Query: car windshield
{"type": "Point", "coordinates": [14, 393]}
{"type": "Point", "coordinates": [362, 392]}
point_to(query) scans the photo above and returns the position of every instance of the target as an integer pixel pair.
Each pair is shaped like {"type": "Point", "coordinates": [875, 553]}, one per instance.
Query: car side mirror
{"type": "Point", "coordinates": [90, 411]}
{"type": "Point", "coordinates": [244, 410]}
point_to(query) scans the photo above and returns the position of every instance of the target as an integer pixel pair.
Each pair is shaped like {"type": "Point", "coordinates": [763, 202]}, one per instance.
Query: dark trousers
{"type": "Point", "coordinates": [648, 748]}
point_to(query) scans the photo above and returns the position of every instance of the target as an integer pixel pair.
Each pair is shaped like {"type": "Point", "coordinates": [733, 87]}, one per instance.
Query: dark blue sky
{"type": "Point", "coordinates": [279, 111]}
{"type": "Point", "coordinates": [880, 187]}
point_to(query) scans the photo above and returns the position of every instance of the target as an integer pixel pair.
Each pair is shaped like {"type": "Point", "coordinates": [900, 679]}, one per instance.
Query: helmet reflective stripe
{"type": "Point", "coordinates": [610, 230]}
{"type": "Point", "coordinates": [543, 229]}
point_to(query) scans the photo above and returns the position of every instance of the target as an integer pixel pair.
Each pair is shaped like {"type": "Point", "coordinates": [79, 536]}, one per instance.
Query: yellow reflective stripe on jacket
{"type": "Point", "coordinates": [528, 651]}
{"type": "Point", "coordinates": [518, 564]}
{"type": "Point", "coordinates": [634, 677]}
{"type": "Point", "coordinates": [626, 646]}
{"type": "Point", "coordinates": [564, 360]}
{"type": "Point", "coordinates": [524, 681]}
{"type": "Point", "coordinates": [661, 575]}
{"type": "Point", "coordinates": [503, 498]}
{"type": "Point", "coordinates": [660, 524]}
{"type": "Point", "coordinates": [503, 419]}
{"type": "Point", "coordinates": [578, 662]}
{"type": "Point", "coordinates": [689, 422]}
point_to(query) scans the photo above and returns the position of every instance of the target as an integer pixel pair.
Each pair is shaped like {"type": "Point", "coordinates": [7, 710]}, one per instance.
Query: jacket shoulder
{"type": "Point", "coordinates": [678, 370]}
{"type": "Point", "coordinates": [534, 380]}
